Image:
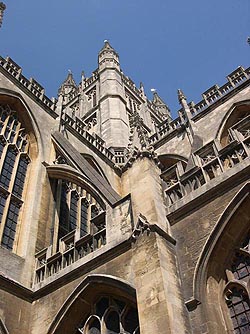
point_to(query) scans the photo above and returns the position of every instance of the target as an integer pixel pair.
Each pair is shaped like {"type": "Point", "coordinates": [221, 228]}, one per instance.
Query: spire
{"type": "Point", "coordinates": [160, 105]}
{"type": "Point", "coordinates": [108, 57]}
{"type": "Point", "coordinates": [2, 9]}
{"type": "Point", "coordinates": [107, 47]}
{"type": "Point", "coordinates": [68, 85]}
{"type": "Point", "coordinates": [181, 96]}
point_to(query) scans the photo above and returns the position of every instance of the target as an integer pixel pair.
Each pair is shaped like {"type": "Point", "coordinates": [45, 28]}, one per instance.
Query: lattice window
{"type": "Point", "coordinates": [111, 316]}
{"type": "Point", "coordinates": [7, 168]}
{"type": "Point", "coordinates": [2, 205]}
{"type": "Point", "coordinates": [10, 225]}
{"type": "Point", "coordinates": [84, 218]}
{"type": "Point", "coordinates": [236, 294]}
{"type": "Point", "coordinates": [238, 304]}
{"type": "Point", "coordinates": [14, 161]}
{"type": "Point", "coordinates": [73, 211]}
{"type": "Point", "coordinates": [20, 176]}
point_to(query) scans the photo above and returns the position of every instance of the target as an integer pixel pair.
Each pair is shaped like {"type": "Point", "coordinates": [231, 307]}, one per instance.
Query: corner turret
{"type": "Point", "coordinates": [108, 57]}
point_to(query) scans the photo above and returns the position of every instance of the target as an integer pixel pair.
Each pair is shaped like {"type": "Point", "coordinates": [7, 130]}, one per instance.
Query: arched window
{"type": "Point", "coordinates": [111, 315]}
{"type": "Point", "coordinates": [93, 326]}
{"type": "Point", "coordinates": [81, 214]}
{"type": "Point", "coordinates": [236, 126]}
{"type": "Point", "coordinates": [236, 294]}
{"type": "Point", "coordinates": [14, 161]}
{"type": "Point", "coordinates": [77, 209]}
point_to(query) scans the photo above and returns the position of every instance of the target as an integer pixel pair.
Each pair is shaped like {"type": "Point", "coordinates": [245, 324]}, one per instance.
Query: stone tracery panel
{"type": "Point", "coordinates": [111, 316]}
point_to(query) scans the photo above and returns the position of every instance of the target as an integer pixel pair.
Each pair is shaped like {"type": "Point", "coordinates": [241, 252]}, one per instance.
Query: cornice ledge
{"type": "Point", "coordinates": [15, 288]}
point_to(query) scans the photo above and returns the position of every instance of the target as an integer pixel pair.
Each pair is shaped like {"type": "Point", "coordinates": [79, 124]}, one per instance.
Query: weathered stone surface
{"type": "Point", "coordinates": [122, 202]}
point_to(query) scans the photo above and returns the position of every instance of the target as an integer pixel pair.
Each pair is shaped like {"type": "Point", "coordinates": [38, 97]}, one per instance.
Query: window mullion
{"type": "Point", "coordinates": [5, 212]}
{"type": "Point", "coordinates": [57, 215]}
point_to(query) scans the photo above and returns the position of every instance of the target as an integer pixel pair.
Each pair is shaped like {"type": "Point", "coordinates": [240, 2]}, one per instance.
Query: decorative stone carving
{"type": "Point", "coordinates": [139, 145]}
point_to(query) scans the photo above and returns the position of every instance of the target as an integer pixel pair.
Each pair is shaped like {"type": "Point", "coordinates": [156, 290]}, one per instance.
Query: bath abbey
{"type": "Point", "coordinates": [117, 217]}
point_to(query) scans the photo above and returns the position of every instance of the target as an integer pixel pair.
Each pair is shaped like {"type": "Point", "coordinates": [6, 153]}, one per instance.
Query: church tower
{"type": "Point", "coordinates": [113, 115]}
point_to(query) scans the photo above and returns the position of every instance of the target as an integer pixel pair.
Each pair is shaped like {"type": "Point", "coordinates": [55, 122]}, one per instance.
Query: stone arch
{"type": "Point", "coordinates": [168, 160]}
{"type": "Point", "coordinates": [237, 111]}
{"type": "Point", "coordinates": [21, 146]}
{"type": "Point", "coordinates": [26, 117]}
{"type": "Point", "coordinates": [93, 322]}
{"type": "Point", "coordinates": [201, 267]}
{"type": "Point", "coordinates": [79, 302]}
{"type": "Point", "coordinates": [214, 263]}
{"type": "Point", "coordinates": [62, 171]}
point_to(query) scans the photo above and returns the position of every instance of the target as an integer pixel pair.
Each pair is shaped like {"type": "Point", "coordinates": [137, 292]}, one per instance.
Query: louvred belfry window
{"type": "Point", "coordinates": [236, 293]}
{"type": "Point", "coordinates": [14, 161]}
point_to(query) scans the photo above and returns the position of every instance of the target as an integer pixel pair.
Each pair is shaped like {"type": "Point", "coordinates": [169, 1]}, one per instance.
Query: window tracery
{"type": "Point", "coordinates": [236, 292]}
{"type": "Point", "coordinates": [14, 161]}
{"type": "Point", "coordinates": [80, 212]}
{"type": "Point", "coordinates": [111, 316]}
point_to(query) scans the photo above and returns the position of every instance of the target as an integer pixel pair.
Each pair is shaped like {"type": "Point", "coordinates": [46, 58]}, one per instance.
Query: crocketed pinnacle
{"type": "Point", "coordinates": [181, 96]}
{"type": "Point", "coordinates": [69, 82]}
{"type": "Point", "coordinates": [2, 9]}
{"type": "Point", "coordinates": [161, 106]}
{"type": "Point", "coordinates": [107, 47]}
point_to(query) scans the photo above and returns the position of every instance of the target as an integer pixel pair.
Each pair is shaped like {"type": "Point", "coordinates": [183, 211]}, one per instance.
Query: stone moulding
{"type": "Point", "coordinates": [202, 263]}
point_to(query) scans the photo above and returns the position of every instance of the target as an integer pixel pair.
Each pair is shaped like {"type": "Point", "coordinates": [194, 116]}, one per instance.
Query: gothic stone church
{"type": "Point", "coordinates": [116, 218]}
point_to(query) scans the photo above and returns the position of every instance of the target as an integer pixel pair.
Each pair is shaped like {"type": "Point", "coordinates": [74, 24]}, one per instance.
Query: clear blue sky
{"type": "Point", "coordinates": [187, 44]}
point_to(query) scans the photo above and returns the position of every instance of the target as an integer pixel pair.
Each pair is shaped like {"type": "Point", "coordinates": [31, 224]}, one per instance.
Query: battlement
{"type": "Point", "coordinates": [215, 93]}
{"type": "Point", "coordinates": [35, 90]}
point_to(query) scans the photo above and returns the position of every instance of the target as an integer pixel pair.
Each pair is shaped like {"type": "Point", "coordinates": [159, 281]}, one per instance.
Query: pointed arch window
{"type": "Point", "coordinates": [79, 212]}
{"type": "Point", "coordinates": [111, 315]}
{"type": "Point", "coordinates": [236, 291]}
{"type": "Point", "coordinates": [14, 162]}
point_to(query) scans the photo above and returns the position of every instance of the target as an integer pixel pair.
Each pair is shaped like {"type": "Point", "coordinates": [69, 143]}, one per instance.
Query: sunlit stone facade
{"type": "Point", "coordinates": [117, 217]}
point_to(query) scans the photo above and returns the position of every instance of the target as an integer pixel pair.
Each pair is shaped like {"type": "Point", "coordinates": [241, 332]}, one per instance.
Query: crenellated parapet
{"type": "Point", "coordinates": [215, 93]}
{"type": "Point", "coordinates": [29, 86]}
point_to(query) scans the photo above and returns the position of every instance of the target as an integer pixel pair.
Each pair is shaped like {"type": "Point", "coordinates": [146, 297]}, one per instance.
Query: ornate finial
{"type": "Point", "coordinates": [142, 88]}
{"type": "Point", "coordinates": [181, 96]}
{"type": "Point", "coordinates": [2, 9]}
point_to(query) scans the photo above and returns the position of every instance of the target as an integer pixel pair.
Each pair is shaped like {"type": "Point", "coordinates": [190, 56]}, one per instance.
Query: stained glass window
{"type": "Point", "coordinates": [14, 162]}
{"type": "Point", "coordinates": [238, 298]}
